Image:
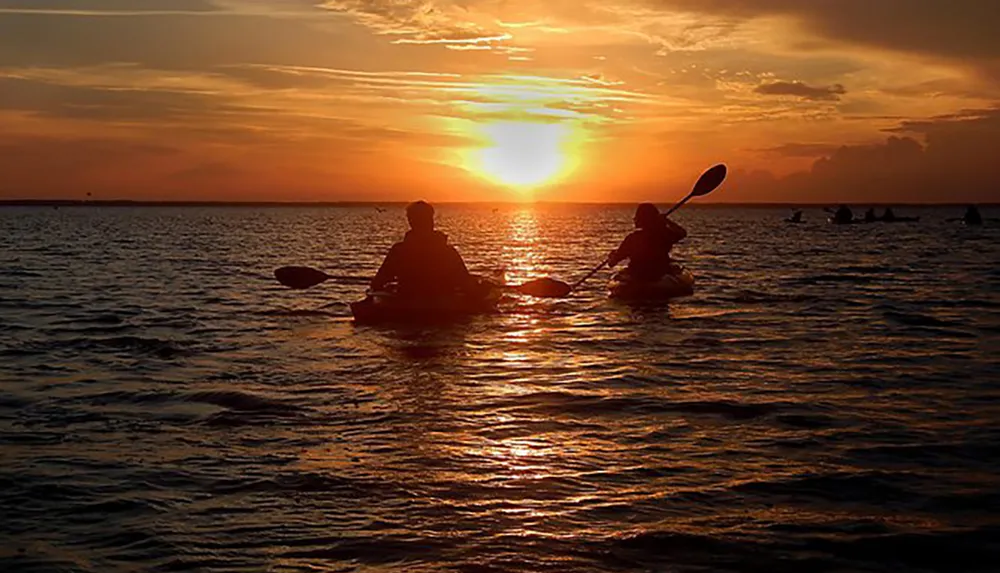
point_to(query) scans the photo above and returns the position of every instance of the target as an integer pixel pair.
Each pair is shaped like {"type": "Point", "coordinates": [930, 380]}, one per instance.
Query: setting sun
{"type": "Point", "coordinates": [523, 154]}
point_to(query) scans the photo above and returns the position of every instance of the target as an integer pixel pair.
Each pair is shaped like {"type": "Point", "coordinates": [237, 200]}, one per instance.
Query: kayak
{"type": "Point", "coordinates": [389, 307]}
{"type": "Point", "coordinates": [674, 285]}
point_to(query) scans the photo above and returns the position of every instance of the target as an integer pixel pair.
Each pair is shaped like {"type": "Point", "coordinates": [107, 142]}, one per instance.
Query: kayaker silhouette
{"type": "Point", "coordinates": [423, 264]}
{"type": "Point", "coordinates": [648, 248]}
{"type": "Point", "coordinates": [843, 215]}
{"type": "Point", "coordinates": [972, 216]}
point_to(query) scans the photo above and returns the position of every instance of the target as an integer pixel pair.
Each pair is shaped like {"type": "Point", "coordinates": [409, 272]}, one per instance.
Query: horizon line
{"type": "Point", "coordinates": [360, 203]}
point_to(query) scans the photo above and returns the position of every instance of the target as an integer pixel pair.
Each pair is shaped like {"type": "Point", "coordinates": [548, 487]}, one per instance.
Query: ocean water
{"type": "Point", "coordinates": [829, 400]}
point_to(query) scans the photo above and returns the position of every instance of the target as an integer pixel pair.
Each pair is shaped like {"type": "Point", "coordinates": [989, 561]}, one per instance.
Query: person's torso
{"type": "Point", "coordinates": [650, 254]}
{"type": "Point", "coordinates": [426, 265]}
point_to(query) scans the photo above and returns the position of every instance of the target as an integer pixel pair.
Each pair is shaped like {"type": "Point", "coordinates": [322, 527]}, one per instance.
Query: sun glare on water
{"type": "Point", "coordinates": [523, 154]}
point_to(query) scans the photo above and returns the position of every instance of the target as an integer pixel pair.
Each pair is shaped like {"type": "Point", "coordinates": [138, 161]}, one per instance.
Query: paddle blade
{"type": "Point", "coordinates": [300, 277]}
{"type": "Point", "coordinates": [544, 288]}
{"type": "Point", "coordinates": [710, 181]}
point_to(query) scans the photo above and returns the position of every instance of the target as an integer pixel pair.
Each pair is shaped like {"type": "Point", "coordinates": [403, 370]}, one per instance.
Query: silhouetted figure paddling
{"type": "Point", "coordinates": [423, 264]}
{"type": "Point", "coordinates": [972, 216]}
{"type": "Point", "coordinates": [648, 248]}
{"type": "Point", "coordinates": [843, 215]}
{"type": "Point", "coordinates": [796, 217]}
{"type": "Point", "coordinates": [889, 216]}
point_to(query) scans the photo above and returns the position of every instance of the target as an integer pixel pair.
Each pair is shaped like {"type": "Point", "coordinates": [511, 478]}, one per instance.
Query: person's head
{"type": "Point", "coordinates": [420, 215]}
{"type": "Point", "coordinates": [647, 216]}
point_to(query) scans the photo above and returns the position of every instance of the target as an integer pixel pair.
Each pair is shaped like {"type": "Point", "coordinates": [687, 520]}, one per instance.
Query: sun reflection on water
{"type": "Point", "coordinates": [520, 250]}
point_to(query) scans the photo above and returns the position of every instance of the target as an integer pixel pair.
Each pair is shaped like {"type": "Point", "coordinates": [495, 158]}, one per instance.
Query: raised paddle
{"type": "Point", "coordinates": [708, 182]}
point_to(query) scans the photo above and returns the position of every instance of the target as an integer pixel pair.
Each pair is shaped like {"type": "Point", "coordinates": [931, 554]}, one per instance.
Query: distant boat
{"type": "Point", "coordinates": [972, 218]}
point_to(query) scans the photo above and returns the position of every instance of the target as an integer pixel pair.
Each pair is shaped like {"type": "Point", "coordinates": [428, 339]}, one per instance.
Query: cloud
{"type": "Point", "coordinates": [413, 19]}
{"type": "Point", "coordinates": [956, 29]}
{"type": "Point", "coordinates": [452, 41]}
{"type": "Point", "coordinates": [801, 90]}
{"type": "Point", "coordinates": [187, 41]}
{"type": "Point", "coordinates": [802, 149]}
{"type": "Point", "coordinates": [106, 7]}
{"type": "Point", "coordinates": [117, 104]}
{"type": "Point", "coordinates": [955, 163]}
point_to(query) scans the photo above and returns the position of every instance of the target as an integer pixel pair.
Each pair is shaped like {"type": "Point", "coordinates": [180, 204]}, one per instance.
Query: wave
{"type": "Point", "coordinates": [869, 488]}
{"type": "Point", "coordinates": [859, 279]}
{"type": "Point", "coordinates": [300, 313]}
{"type": "Point", "coordinates": [762, 297]}
{"type": "Point", "coordinates": [240, 401]}
{"type": "Point", "coordinates": [853, 545]}
{"type": "Point", "coordinates": [290, 482]}
{"type": "Point", "coordinates": [556, 403]}
{"type": "Point", "coordinates": [158, 347]}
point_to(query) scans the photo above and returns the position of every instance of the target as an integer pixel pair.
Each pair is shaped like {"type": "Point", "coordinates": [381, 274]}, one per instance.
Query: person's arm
{"type": "Point", "coordinates": [388, 271]}
{"type": "Point", "coordinates": [623, 252]}
{"type": "Point", "coordinates": [677, 233]}
{"type": "Point", "coordinates": [457, 269]}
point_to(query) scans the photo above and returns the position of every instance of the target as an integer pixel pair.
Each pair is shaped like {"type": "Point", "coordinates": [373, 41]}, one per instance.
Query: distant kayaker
{"type": "Point", "coordinates": [423, 263]}
{"type": "Point", "coordinates": [648, 248]}
{"type": "Point", "coordinates": [843, 215]}
{"type": "Point", "coordinates": [972, 216]}
{"type": "Point", "coordinates": [889, 215]}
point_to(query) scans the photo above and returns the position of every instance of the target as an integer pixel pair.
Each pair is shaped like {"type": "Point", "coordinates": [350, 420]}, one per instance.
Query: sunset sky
{"type": "Point", "coordinates": [447, 100]}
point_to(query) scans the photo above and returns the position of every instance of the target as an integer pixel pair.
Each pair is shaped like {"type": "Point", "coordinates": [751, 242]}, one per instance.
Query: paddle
{"type": "Point", "coordinates": [301, 278]}
{"type": "Point", "coordinates": [543, 288]}
{"type": "Point", "coordinates": [304, 277]}
{"type": "Point", "coordinates": [708, 182]}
